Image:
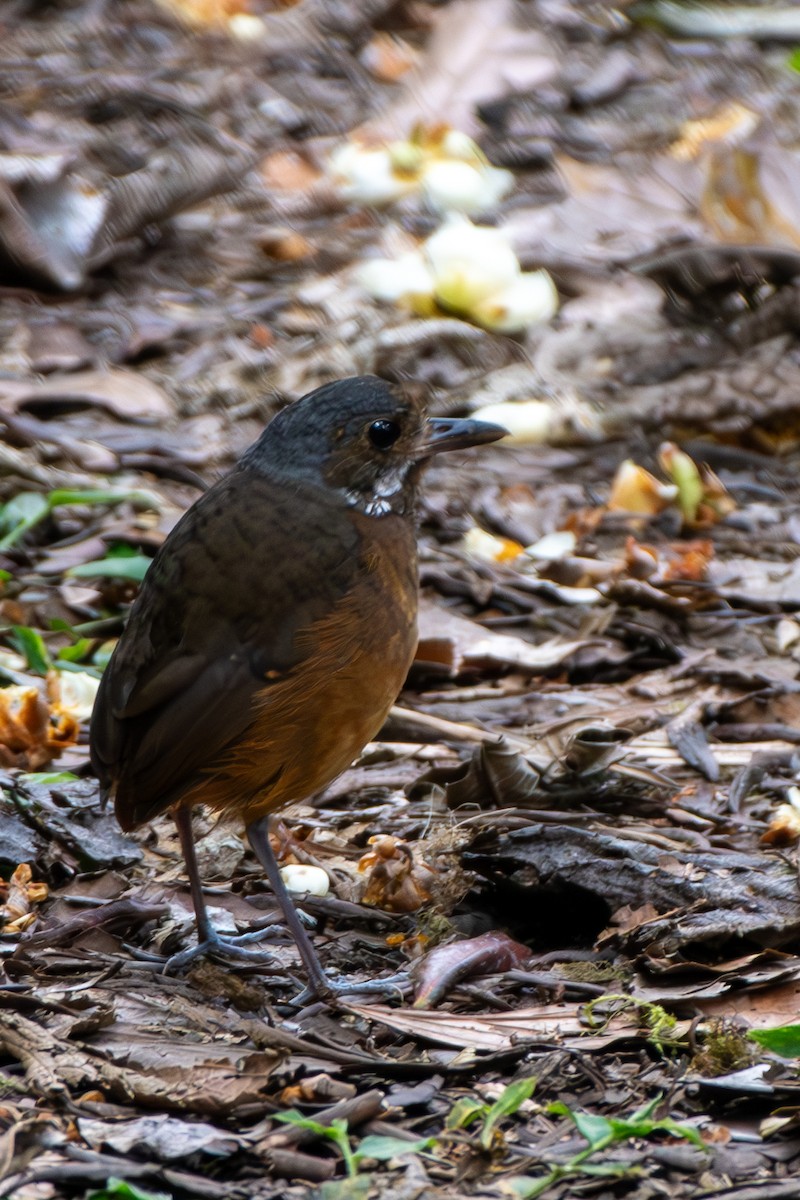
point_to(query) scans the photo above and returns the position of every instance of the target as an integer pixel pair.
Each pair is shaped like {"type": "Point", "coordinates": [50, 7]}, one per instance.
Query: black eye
{"type": "Point", "coordinates": [383, 434]}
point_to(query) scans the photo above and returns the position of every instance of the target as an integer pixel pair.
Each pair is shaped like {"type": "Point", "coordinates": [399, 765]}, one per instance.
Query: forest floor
{"type": "Point", "coordinates": [577, 831]}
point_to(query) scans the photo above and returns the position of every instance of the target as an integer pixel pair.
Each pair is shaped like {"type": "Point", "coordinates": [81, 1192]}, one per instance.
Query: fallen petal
{"type": "Point", "coordinates": [529, 300]}
{"type": "Point", "coordinates": [305, 880]}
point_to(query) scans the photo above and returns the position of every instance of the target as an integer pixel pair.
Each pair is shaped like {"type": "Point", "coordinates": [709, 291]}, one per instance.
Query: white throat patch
{"type": "Point", "coordinates": [387, 489]}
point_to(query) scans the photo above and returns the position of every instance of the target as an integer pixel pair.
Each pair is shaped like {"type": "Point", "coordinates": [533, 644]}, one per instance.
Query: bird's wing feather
{"type": "Point", "coordinates": [220, 608]}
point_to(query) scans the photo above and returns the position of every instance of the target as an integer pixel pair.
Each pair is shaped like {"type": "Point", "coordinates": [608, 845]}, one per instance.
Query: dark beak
{"type": "Point", "coordinates": [450, 433]}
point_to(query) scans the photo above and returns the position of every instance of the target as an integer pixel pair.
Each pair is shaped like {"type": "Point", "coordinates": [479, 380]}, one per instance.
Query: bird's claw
{"type": "Point", "coordinates": [236, 948]}
{"type": "Point", "coordinates": [393, 986]}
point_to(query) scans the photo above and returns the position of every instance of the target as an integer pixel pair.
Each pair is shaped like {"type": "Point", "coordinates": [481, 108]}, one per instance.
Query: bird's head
{"type": "Point", "coordinates": [365, 438]}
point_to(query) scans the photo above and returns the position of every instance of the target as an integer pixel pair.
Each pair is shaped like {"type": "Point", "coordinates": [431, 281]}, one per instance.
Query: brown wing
{"type": "Point", "coordinates": [246, 569]}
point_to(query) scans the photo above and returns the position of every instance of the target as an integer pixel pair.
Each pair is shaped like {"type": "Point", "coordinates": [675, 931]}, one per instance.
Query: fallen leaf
{"type": "Point", "coordinates": [395, 881]}
{"type": "Point", "coordinates": [635, 490]}
{"type": "Point", "coordinates": [444, 966]}
{"type": "Point", "coordinates": [387, 57]}
{"type": "Point", "coordinates": [559, 1024]}
{"type": "Point", "coordinates": [286, 170]}
{"type": "Point", "coordinates": [23, 895]}
{"type": "Point", "coordinates": [160, 1137]}
{"type": "Point", "coordinates": [126, 394]}
{"type": "Point", "coordinates": [72, 693]}
{"type": "Point", "coordinates": [462, 644]}
{"type": "Point", "coordinates": [480, 544]}
{"type": "Point", "coordinates": [30, 735]}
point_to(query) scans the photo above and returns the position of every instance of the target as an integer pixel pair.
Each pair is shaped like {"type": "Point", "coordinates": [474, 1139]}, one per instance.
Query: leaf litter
{"type": "Point", "coordinates": [577, 828]}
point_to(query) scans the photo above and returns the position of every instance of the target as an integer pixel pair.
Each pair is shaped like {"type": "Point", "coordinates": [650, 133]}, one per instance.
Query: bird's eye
{"type": "Point", "coordinates": [383, 434]}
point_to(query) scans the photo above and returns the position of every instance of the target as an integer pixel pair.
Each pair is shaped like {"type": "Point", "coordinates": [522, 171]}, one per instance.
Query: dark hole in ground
{"type": "Point", "coordinates": [550, 918]}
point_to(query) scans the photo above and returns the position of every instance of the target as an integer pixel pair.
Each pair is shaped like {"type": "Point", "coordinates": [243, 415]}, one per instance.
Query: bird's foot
{"type": "Point", "coordinates": [392, 986]}
{"type": "Point", "coordinates": [238, 948]}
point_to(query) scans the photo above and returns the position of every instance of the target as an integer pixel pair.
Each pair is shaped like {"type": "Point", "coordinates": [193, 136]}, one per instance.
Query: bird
{"type": "Point", "coordinates": [274, 629]}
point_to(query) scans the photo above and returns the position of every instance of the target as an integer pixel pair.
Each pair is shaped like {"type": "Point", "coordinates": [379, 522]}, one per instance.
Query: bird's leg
{"type": "Point", "coordinates": [258, 833]}
{"type": "Point", "coordinates": [208, 940]}
{"type": "Point", "coordinates": [319, 984]}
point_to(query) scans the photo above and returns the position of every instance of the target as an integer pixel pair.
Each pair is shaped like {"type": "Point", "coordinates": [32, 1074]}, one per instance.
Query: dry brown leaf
{"type": "Point", "coordinates": [635, 490]}
{"type": "Point", "coordinates": [784, 828]}
{"type": "Point", "coordinates": [18, 911]}
{"type": "Point", "coordinates": [126, 394]}
{"type": "Point", "coordinates": [475, 52]}
{"type": "Point", "coordinates": [31, 736]}
{"type": "Point", "coordinates": [286, 170]}
{"type": "Point", "coordinates": [761, 1009]}
{"type": "Point", "coordinates": [686, 560]}
{"type": "Point", "coordinates": [388, 57]}
{"type": "Point", "coordinates": [736, 204]}
{"type": "Point", "coordinates": [461, 644]}
{"type": "Point", "coordinates": [200, 13]}
{"type": "Point", "coordinates": [444, 966]}
{"type": "Point", "coordinates": [158, 1136]}
{"type": "Point", "coordinates": [285, 245]}
{"type": "Point", "coordinates": [317, 1089]}
{"type": "Point", "coordinates": [395, 882]}
{"type": "Point", "coordinates": [562, 1024]}
{"type": "Point", "coordinates": [480, 544]}
{"type": "Point", "coordinates": [731, 122]}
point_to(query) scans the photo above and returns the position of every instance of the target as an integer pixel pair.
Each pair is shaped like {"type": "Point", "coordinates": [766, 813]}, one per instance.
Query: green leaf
{"type": "Point", "coordinates": [101, 496]}
{"type": "Point", "coordinates": [781, 1039]}
{"type": "Point", "coordinates": [528, 1187]}
{"type": "Point", "coordinates": [19, 515]}
{"type": "Point", "coordinates": [667, 1125]}
{"type": "Point", "coordinates": [336, 1132]}
{"type": "Point", "coordinates": [132, 567]}
{"type": "Point", "coordinates": [383, 1148]}
{"type": "Point", "coordinates": [59, 625]}
{"type": "Point", "coordinates": [646, 1110]}
{"type": "Point", "coordinates": [293, 1117]}
{"type": "Point", "coordinates": [793, 61]}
{"type": "Point", "coordinates": [511, 1098]}
{"type": "Point", "coordinates": [596, 1129]}
{"type": "Point", "coordinates": [77, 668]}
{"type": "Point", "coordinates": [601, 1132]}
{"type": "Point", "coordinates": [29, 508]}
{"type": "Point", "coordinates": [506, 1104]}
{"type": "Point", "coordinates": [120, 1189]}
{"type": "Point", "coordinates": [352, 1188]}
{"type": "Point", "coordinates": [76, 652]}
{"type": "Point", "coordinates": [30, 643]}
{"type": "Point", "coordinates": [464, 1112]}
{"type": "Point", "coordinates": [48, 777]}
{"type": "Point", "coordinates": [102, 656]}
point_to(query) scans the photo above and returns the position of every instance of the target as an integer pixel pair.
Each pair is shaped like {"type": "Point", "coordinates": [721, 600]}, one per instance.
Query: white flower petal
{"type": "Point", "coordinates": [497, 183]}
{"type": "Point", "coordinates": [463, 187]}
{"type": "Point", "coordinates": [529, 300]}
{"type": "Point", "coordinates": [456, 144]}
{"type": "Point", "coordinates": [529, 422]}
{"type": "Point", "coordinates": [391, 279]}
{"type": "Point", "coordinates": [558, 544]}
{"type": "Point", "coordinates": [366, 175]}
{"type": "Point", "coordinates": [469, 263]}
{"type": "Point", "coordinates": [247, 27]}
{"type": "Point", "coordinates": [452, 186]}
{"type": "Point", "coordinates": [304, 880]}
{"type": "Point", "coordinates": [73, 693]}
{"type": "Point", "coordinates": [480, 544]}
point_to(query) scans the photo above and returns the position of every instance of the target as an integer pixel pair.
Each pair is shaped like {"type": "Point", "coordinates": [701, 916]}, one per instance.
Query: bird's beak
{"type": "Point", "coordinates": [451, 433]}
